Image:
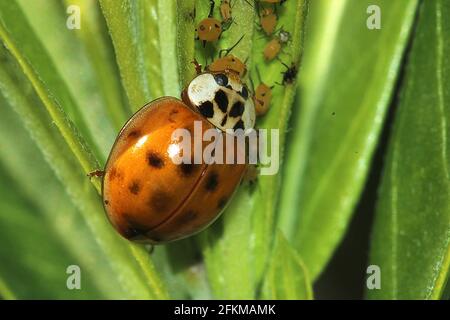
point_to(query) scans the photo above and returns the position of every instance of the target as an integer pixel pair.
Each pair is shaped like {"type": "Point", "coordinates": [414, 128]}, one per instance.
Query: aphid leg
{"type": "Point", "coordinates": [249, 3]}
{"type": "Point", "coordinates": [211, 8]}
{"type": "Point", "coordinates": [96, 173]}
{"type": "Point", "coordinates": [284, 64]}
{"type": "Point", "coordinates": [227, 51]}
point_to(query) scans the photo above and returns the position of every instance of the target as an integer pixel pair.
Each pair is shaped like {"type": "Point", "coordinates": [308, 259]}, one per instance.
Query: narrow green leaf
{"type": "Point", "coordinates": [133, 26]}
{"type": "Point", "coordinates": [236, 248]}
{"type": "Point", "coordinates": [20, 32]}
{"type": "Point", "coordinates": [65, 153]}
{"type": "Point", "coordinates": [53, 106]}
{"type": "Point", "coordinates": [167, 24]}
{"type": "Point", "coordinates": [411, 239]}
{"type": "Point", "coordinates": [186, 40]}
{"type": "Point", "coordinates": [44, 231]}
{"type": "Point", "coordinates": [286, 277]}
{"type": "Point", "coordinates": [345, 88]}
{"type": "Point", "coordinates": [95, 41]}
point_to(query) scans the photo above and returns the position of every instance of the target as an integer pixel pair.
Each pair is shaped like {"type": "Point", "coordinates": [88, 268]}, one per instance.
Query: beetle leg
{"type": "Point", "coordinates": [96, 173]}
{"type": "Point", "coordinates": [198, 66]}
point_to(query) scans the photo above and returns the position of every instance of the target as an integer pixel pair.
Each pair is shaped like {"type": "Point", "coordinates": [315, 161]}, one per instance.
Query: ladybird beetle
{"type": "Point", "coordinates": [268, 20]}
{"type": "Point", "coordinates": [149, 198]}
{"type": "Point", "coordinates": [146, 195]}
{"type": "Point", "coordinates": [273, 48]}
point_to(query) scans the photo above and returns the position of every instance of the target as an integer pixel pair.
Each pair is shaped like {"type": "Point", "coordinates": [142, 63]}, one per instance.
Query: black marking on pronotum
{"type": "Point", "coordinates": [221, 79]}
{"type": "Point", "coordinates": [207, 109]}
{"type": "Point", "coordinates": [134, 187]}
{"type": "Point", "coordinates": [155, 160]}
{"type": "Point", "coordinates": [221, 100]}
{"type": "Point", "coordinates": [159, 200]}
{"type": "Point", "coordinates": [237, 109]}
{"type": "Point", "coordinates": [212, 181]}
{"type": "Point", "coordinates": [244, 92]}
{"type": "Point", "coordinates": [239, 125]}
{"type": "Point", "coordinates": [224, 120]}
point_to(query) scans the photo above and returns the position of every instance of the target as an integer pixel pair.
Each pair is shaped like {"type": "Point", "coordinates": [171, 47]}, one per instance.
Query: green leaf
{"type": "Point", "coordinates": [411, 237]}
{"type": "Point", "coordinates": [286, 277]}
{"type": "Point", "coordinates": [346, 85]}
{"type": "Point", "coordinates": [95, 41]}
{"type": "Point", "coordinates": [133, 26]}
{"type": "Point", "coordinates": [236, 248]}
{"type": "Point", "coordinates": [64, 151]}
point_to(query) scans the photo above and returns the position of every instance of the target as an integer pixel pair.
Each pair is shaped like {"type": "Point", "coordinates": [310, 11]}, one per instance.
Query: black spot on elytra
{"type": "Point", "coordinates": [172, 115]}
{"type": "Point", "coordinates": [134, 187]}
{"type": "Point", "coordinates": [188, 169]}
{"type": "Point", "coordinates": [159, 200]}
{"type": "Point", "coordinates": [222, 202]}
{"type": "Point", "coordinates": [221, 100]}
{"type": "Point", "coordinates": [187, 216]}
{"type": "Point", "coordinates": [115, 174]}
{"type": "Point", "coordinates": [106, 202]}
{"type": "Point", "coordinates": [239, 125]}
{"type": "Point", "coordinates": [207, 109]}
{"type": "Point", "coordinates": [212, 181]}
{"type": "Point", "coordinates": [134, 228]}
{"type": "Point", "coordinates": [112, 174]}
{"type": "Point", "coordinates": [221, 79]}
{"type": "Point", "coordinates": [134, 134]}
{"type": "Point", "coordinates": [224, 120]}
{"type": "Point", "coordinates": [237, 109]}
{"type": "Point", "coordinates": [155, 160]}
{"type": "Point", "coordinates": [202, 27]}
{"type": "Point", "coordinates": [244, 92]}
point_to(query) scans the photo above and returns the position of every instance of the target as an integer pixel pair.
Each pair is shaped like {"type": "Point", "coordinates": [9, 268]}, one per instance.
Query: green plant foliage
{"type": "Point", "coordinates": [286, 277]}
{"type": "Point", "coordinates": [346, 86]}
{"type": "Point", "coordinates": [411, 236]}
{"type": "Point", "coordinates": [236, 248]}
{"type": "Point", "coordinates": [65, 93]}
{"type": "Point", "coordinates": [23, 88]}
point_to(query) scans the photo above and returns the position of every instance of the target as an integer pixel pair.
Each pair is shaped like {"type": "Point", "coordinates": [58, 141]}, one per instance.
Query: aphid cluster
{"type": "Point", "coordinates": [150, 197]}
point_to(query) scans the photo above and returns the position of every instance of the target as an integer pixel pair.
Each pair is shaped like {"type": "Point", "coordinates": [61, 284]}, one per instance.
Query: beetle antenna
{"type": "Point", "coordinates": [228, 51]}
